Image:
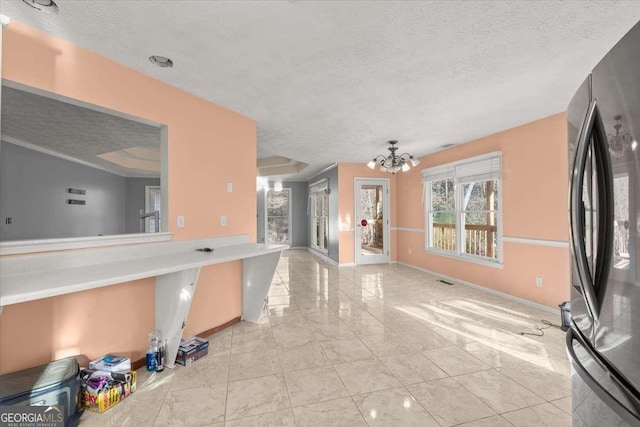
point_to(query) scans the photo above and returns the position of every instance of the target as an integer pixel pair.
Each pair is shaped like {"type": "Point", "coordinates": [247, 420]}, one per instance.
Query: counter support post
{"type": "Point", "coordinates": [257, 274]}
{"type": "Point", "coordinates": [174, 293]}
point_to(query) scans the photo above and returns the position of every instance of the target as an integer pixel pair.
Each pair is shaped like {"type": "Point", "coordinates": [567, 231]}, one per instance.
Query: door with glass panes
{"type": "Point", "coordinates": [372, 221]}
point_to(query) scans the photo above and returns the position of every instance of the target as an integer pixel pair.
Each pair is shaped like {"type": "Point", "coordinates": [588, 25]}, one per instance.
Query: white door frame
{"type": "Point", "coordinates": [147, 191]}
{"type": "Point", "coordinates": [266, 215]}
{"type": "Point", "coordinates": [386, 249]}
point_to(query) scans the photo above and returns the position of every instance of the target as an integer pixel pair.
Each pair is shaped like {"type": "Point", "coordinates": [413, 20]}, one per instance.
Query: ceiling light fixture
{"type": "Point", "coordinates": [394, 163]}
{"type": "Point", "coordinates": [47, 6]}
{"type": "Point", "coordinates": [620, 142]}
{"type": "Point", "coordinates": [161, 61]}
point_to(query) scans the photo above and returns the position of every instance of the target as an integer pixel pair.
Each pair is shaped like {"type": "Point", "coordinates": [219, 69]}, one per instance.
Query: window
{"type": "Point", "coordinates": [462, 208]}
{"type": "Point", "coordinates": [319, 213]}
{"type": "Point", "coordinates": [278, 208]}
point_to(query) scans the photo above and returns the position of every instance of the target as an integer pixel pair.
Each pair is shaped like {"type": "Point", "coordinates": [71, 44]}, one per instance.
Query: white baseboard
{"type": "Point", "coordinates": [353, 264]}
{"type": "Point", "coordinates": [320, 255]}
{"type": "Point", "coordinates": [347, 264]}
{"type": "Point", "coordinates": [485, 289]}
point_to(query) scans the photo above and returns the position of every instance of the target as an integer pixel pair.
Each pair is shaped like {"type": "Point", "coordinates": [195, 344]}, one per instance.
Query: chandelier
{"type": "Point", "coordinates": [620, 142]}
{"type": "Point", "coordinates": [393, 162]}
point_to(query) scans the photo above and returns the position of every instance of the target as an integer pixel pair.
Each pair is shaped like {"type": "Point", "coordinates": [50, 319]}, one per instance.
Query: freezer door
{"type": "Point", "coordinates": [576, 115]}
{"type": "Point", "coordinates": [616, 92]}
{"type": "Point", "coordinates": [599, 398]}
{"type": "Point", "coordinates": [589, 207]}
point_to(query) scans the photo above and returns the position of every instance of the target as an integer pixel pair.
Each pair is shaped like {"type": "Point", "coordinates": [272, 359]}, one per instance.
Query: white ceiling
{"type": "Point", "coordinates": [332, 81]}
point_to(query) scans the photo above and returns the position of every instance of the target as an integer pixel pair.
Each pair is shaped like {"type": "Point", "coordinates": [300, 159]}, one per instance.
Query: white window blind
{"type": "Point", "coordinates": [477, 169]}
{"type": "Point", "coordinates": [438, 173]}
{"type": "Point", "coordinates": [318, 187]}
{"type": "Point", "coordinates": [480, 168]}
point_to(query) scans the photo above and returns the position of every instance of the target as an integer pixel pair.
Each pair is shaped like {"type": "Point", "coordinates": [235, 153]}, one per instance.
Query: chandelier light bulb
{"type": "Point", "coordinates": [394, 169]}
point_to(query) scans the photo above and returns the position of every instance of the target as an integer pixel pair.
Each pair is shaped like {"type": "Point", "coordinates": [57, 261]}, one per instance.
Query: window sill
{"type": "Point", "coordinates": [47, 245]}
{"type": "Point", "coordinates": [466, 258]}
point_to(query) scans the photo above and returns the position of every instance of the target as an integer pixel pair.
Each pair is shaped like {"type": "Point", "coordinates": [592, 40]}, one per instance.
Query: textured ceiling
{"type": "Point", "coordinates": [332, 81]}
{"type": "Point", "coordinates": [73, 131]}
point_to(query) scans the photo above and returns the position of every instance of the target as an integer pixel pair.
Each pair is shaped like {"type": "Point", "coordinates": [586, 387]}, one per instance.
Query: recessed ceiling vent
{"type": "Point", "coordinates": [161, 61]}
{"type": "Point", "coordinates": [47, 6]}
{"type": "Point", "coordinates": [447, 145]}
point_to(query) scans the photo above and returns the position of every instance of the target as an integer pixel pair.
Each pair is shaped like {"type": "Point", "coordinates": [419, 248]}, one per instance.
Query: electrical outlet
{"type": "Point", "coordinates": [539, 282]}
{"type": "Point", "coordinates": [229, 187]}
{"type": "Point", "coordinates": [180, 221]}
{"type": "Point", "coordinates": [223, 221]}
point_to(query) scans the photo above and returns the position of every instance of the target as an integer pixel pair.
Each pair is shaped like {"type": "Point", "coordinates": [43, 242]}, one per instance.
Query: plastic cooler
{"type": "Point", "coordinates": [56, 383]}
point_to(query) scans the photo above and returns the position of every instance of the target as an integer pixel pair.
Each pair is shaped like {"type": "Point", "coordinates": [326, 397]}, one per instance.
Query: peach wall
{"type": "Point", "coordinates": [217, 292]}
{"type": "Point", "coordinates": [347, 173]}
{"type": "Point", "coordinates": [92, 322]}
{"type": "Point", "coordinates": [534, 204]}
{"type": "Point", "coordinates": [198, 133]}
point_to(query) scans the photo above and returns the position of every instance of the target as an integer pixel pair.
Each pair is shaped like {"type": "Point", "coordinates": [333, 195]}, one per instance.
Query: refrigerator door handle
{"type": "Point", "coordinates": [596, 387]}
{"type": "Point", "coordinates": [606, 202]}
{"type": "Point", "coordinates": [576, 206]}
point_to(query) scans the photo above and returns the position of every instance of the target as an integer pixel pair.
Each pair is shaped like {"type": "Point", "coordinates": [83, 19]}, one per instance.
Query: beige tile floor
{"type": "Point", "coordinates": [382, 345]}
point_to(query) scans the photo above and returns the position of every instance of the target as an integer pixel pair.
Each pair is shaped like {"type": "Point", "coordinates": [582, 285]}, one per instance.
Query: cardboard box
{"type": "Point", "coordinates": [111, 363]}
{"type": "Point", "coordinates": [191, 351]}
{"type": "Point", "coordinates": [101, 401]}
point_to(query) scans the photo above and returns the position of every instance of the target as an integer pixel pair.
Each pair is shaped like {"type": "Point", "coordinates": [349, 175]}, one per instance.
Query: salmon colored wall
{"type": "Point", "coordinates": [217, 292]}
{"type": "Point", "coordinates": [534, 204]}
{"type": "Point", "coordinates": [347, 172]}
{"type": "Point", "coordinates": [92, 322]}
{"type": "Point", "coordinates": [198, 133]}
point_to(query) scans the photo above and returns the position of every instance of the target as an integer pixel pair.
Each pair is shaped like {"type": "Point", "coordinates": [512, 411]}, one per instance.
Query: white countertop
{"type": "Point", "coordinates": [32, 277]}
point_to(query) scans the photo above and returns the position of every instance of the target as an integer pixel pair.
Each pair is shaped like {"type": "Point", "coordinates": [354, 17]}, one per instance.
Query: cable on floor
{"type": "Point", "coordinates": [541, 330]}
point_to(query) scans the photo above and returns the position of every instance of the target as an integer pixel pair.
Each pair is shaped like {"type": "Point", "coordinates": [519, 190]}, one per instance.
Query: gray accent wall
{"type": "Point", "coordinates": [332, 180]}
{"type": "Point", "coordinates": [33, 193]}
{"type": "Point", "coordinates": [134, 201]}
{"type": "Point", "coordinates": [299, 221]}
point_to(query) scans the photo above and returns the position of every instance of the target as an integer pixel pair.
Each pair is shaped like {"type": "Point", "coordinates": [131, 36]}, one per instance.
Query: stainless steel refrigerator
{"type": "Point", "coordinates": [603, 342]}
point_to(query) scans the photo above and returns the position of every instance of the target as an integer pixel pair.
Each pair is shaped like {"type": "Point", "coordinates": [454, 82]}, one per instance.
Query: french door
{"type": "Point", "coordinates": [372, 221]}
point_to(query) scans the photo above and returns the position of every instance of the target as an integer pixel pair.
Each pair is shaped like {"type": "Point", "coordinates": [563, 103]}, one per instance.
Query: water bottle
{"type": "Point", "coordinates": [160, 356]}
{"type": "Point", "coordinates": [152, 361]}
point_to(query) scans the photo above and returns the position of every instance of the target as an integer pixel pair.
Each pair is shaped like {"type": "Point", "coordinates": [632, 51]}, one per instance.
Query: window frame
{"type": "Point", "coordinates": [266, 215]}
{"type": "Point", "coordinates": [448, 171]}
{"type": "Point", "coordinates": [318, 190]}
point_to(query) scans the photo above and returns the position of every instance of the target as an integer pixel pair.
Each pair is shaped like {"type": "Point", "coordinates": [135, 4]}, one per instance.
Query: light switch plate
{"type": "Point", "coordinates": [229, 187]}
{"type": "Point", "coordinates": [180, 221]}
{"type": "Point", "coordinates": [223, 221]}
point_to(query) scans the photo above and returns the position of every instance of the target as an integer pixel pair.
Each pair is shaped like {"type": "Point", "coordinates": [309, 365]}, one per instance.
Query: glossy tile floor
{"type": "Point", "coordinates": [382, 345]}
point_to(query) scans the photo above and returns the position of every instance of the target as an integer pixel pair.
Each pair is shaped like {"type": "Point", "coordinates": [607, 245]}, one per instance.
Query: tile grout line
{"type": "Point", "coordinates": [284, 379]}
{"type": "Point", "coordinates": [226, 402]}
